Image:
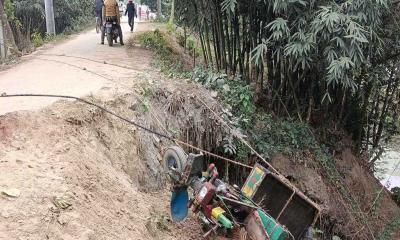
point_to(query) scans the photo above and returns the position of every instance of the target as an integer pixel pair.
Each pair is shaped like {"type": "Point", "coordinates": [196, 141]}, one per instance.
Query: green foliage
{"type": "Point", "coordinates": [165, 7]}
{"type": "Point", "coordinates": [191, 45]}
{"type": "Point", "coordinates": [152, 40]}
{"type": "Point", "coordinates": [29, 16]}
{"type": "Point", "coordinates": [396, 195]}
{"type": "Point", "coordinates": [309, 57]}
{"type": "Point", "coordinates": [166, 58]}
{"type": "Point", "coordinates": [9, 9]}
{"type": "Point", "coordinates": [389, 229]}
{"type": "Point", "coordinates": [180, 38]}
{"type": "Point", "coordinates": [52, 37]}
{"type": "Point", "coordinates": [170, 27]}
{"type": "Point", "coordinates": [239, 97]}
{"type": "Point", "coordinates": [229, 5]}
{"type": "Point", "coordinates": [341, 33]}
{"type": "Point", "coordinates": [151, 3]}
{"type": "Point", "coordinates": [37, 39]}
{"type": "Point", "coordinates": [270, 135]}
{"type": "Point", "coordinates": [188, 43]}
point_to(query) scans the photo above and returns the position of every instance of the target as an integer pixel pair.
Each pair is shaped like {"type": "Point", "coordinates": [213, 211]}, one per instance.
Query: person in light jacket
{"type": "Point", "coordinates": [111, 14]}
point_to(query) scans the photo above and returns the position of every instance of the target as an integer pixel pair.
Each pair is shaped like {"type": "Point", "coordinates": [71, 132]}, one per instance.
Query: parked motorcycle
{"type": "Point", "coordinates": [111, 32]}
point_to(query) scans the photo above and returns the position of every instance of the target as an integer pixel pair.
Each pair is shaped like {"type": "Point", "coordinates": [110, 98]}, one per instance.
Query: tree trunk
{"type": "Point", "coordinates": [10, 47]}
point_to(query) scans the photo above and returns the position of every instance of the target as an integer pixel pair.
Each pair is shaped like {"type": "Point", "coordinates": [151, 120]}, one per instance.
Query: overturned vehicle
{"type": "Point", "coordinates": [267, 206]}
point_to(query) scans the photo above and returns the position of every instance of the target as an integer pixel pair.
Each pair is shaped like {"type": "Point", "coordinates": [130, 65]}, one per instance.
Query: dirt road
{"type": "Point", "coordinates": [69, 171]}
{"type": "Point", "coordinates": [42, 72]}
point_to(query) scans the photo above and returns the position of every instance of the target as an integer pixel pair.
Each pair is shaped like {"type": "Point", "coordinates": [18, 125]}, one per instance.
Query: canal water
{"type": "Point", "coordinates": [390, 175]}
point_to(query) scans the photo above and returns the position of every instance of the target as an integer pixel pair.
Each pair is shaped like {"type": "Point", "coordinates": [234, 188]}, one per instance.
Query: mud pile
{"type": "Point", "coordinates": [83, 174]}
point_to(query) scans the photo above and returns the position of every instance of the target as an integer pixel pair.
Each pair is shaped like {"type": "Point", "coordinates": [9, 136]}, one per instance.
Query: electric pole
{"type": "Point", "coordinates": [50, 25]}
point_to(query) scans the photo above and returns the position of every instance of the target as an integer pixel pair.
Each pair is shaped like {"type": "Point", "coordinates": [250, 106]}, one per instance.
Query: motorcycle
{"type": "Point", "coordinates": [111, 32]}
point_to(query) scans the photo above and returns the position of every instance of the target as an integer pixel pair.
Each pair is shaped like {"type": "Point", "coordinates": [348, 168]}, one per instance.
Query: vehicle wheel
{"type": "Point", "coordinates": [110, 40]}
{"type": "Point", "coordinates": [174, 157]}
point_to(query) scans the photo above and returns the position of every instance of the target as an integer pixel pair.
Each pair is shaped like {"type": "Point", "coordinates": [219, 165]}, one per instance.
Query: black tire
{"type": "Point", "coordinates": [110, 39]}
{"type": "Point", "coordinates": [174, 157]}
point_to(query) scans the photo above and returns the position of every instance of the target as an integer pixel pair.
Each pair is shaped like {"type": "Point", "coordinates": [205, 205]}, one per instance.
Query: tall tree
{"type": "Point", "coordinates": [315, 60]}
{"type": "Point", "coordinates": [8, 37]}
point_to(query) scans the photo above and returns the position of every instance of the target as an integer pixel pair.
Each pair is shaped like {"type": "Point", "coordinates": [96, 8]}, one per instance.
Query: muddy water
{"type": "Point", "coordinates": [389, 162]}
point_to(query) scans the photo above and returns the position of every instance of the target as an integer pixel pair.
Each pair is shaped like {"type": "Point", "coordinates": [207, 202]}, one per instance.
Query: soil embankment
{"type": "Point", "coordinates": [76, 172]}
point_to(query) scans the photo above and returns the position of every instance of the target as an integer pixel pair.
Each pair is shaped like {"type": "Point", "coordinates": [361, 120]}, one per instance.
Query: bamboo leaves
{"type": "Point", "coordinates": [337, 71]}
{"type": "Point", "coordinates": [279, 29]}
{"type": "Point", "coordinates": [229, 5]}
{"type": "Point", "coordinates": [257, 55]}
{"type": "Point", "coordinates": [301, 55]}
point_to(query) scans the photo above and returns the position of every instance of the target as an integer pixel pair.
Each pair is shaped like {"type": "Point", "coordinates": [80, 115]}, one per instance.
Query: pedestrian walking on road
{"type": "Point", "coordinates": [131, 11]}
{"type": "Point", "coordinates": [148, 14]}
{"type": "Point", "coordinates": [98, 8]}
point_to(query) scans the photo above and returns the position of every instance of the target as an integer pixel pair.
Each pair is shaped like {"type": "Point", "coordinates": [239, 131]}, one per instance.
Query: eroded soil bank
{"type": "Point", "coordinates": [80, 173]}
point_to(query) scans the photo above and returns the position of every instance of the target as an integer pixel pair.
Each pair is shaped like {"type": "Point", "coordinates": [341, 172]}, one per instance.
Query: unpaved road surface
{"type": "Point", "coordinates": [45, 72]}
{"type": "Point", "coordinates": [70, 171]}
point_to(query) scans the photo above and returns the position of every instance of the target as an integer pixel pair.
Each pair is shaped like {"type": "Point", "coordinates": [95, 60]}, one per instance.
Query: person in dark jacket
{"type": "Point", "coordinates": [131, 11]}
{"type": "Point", "coordinates": [98, 7]}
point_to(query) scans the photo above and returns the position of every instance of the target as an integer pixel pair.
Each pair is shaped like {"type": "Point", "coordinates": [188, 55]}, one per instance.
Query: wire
{"type": "Point", "coordinates": [161, 135]}
{"type": "Point", "coordinates": [212, 154]}
{"type": "Point", "coordinates": [87, 59]}
{"type": "Point", "coordinates": [108, 79]}
{"type": "Point", "coordinates": [91, 104]}
{"type": "Point", "coordinates": [178, 142]}
{"type": "Point", "coordinates": [237, 135]}
{"type": "Point", "coordinates": [154, 116]}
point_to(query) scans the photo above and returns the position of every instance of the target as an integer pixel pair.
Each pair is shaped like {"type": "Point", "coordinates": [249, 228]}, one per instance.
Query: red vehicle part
{"type": "Point", "coordinates": [205, 194]}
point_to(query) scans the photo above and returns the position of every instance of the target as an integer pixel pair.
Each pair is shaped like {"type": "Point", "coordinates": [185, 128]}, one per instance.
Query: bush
{"type": "Point", "coordinates": [168, 60]}
{"type": "Point", "coordinates": [37, 39]}
{"type": "Point", "coordinates": [29, 16]}
{"type": "Point", "coordinates": [396, 195]}
{"type": "Point", "coordinates": [180, 38]}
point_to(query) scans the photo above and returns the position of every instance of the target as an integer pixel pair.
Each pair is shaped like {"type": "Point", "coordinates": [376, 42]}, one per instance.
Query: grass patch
{"type": "Point", "coordinates": [270, 135]}
{"type": "Point", "coordinates": [167, 58]}
{"type": "Point", "coordinates": [390, 229]}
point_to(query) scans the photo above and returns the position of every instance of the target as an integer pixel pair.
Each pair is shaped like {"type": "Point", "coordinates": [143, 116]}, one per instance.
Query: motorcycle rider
{"type": "Point", "coordinates": [131, 11]}
{"type": "Point", "coordinates": [111, 14]}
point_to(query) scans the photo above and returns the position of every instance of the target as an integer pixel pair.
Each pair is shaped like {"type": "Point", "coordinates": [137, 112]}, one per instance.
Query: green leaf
{"type": "Point", "coordinates": [229, 5]}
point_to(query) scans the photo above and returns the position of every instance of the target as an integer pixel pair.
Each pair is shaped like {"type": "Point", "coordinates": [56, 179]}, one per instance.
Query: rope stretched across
{"type": "Point", "coordinates": [161, 135]}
